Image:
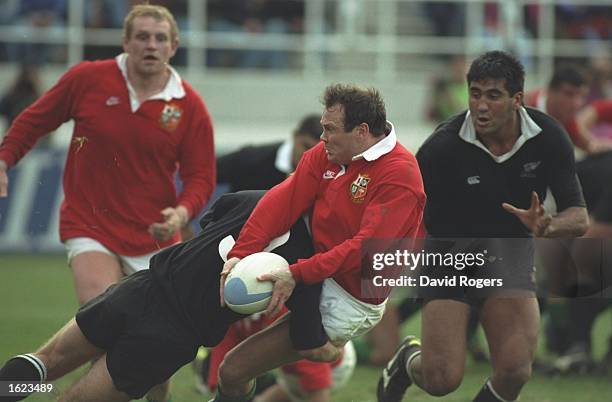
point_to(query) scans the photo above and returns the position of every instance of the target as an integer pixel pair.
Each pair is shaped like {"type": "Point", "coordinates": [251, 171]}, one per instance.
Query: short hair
{"type": "Point", "coordinates": [310, 126]}
{"type": "Point", "coordinates": [568, 74]}
{"type": "Point", "coordinates": [495, 65]}
{"type": "Point", "coordinates": [159, 13]}
{"type": "Point", "coordinates": [361, 105]}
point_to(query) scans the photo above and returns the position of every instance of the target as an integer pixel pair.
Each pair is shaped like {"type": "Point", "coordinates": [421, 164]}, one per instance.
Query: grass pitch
{"type": "Point", "coordinates": [37, 298]}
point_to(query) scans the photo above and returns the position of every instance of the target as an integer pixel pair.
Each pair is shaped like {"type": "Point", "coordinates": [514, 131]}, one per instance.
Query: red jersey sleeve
{"type": "Point", "coordinates": [395, 211]}
{"type": "Point", "coordinates": [197, 160]}
{"type": "Point", "coordinates": [572, 129]}
{"type": "Point", "coordinates": [603, 107]}
{"type": "Point", "coordinates": [281, 206]}
{"type": "Point", "coordinates": [53, 108]}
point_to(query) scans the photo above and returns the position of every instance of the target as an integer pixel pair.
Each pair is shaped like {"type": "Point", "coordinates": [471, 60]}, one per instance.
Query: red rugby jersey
{"type": "Point", "coordinates": [380, 196]}
{"type": "Point", "coordinates": [121, 165]}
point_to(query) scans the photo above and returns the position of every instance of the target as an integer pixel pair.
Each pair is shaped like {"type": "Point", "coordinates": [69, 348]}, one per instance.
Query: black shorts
{"type": "Point", "coordinates": [494, 265]}
{"type": "Point", "coordinates": [144, 341]}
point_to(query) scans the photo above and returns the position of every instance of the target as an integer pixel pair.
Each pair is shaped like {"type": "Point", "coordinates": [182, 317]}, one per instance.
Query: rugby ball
{"type": "Point", "coordinates": [243, 293]}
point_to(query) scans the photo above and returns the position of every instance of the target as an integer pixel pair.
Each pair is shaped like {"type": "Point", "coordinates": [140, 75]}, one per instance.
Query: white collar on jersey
{"type": "Point", "coordinates": [173, 89]}
{"type": "Point", "coordinates": [283, 157]}
{"type": "Point", "coordinates": [381, 148]}
{"type": "Point", "coordinates": [529, 129]}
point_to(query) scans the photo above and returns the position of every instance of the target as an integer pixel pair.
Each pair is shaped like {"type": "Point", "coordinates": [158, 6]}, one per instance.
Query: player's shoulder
{"type": "Point", "coordinates": [92, 69]}
{"type": "Point", "coordinates": [400, 156]}
{"type": "Point", "coordinates": [552, 132]}
{"type": "Point", "coordinates": [445, 136]}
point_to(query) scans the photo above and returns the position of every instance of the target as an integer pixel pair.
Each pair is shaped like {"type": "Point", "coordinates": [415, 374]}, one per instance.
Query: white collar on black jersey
{"type": "Point", "coordinates": [529, 129]}
{"type": "Point", "coordinates": [173, 89]}
{"type": "Point", "coordinates": [283, 157]}
{"type": "Point", "coordinates": [381, 148]}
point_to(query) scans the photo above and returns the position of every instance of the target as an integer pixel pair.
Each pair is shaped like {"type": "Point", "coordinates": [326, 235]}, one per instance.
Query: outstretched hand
{"type": "Point", "coordinates": [283, 287]}
{"type": "Point", "coordinates": [535, 218]}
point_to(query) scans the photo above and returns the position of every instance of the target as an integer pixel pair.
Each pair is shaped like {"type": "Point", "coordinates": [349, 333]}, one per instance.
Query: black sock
{"type": "Point", "coordinates": [488, 394]}
{"type": "Point", "coordinates": [21, 368]}
{"type": "Point", "coordinates": [221, 397]}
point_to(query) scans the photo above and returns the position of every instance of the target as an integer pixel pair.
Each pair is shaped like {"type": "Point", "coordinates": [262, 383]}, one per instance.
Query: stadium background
{"type": "Point", "coordinates": [394, 45]}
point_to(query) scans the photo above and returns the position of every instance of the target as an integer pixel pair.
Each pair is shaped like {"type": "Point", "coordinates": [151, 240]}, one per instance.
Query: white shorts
{"type": "Point", "coordinates": [129, 264]}
{"type": "Point", "coordinates": [341, 374]}
{"type": "Point", "coordinates": [344, 316]}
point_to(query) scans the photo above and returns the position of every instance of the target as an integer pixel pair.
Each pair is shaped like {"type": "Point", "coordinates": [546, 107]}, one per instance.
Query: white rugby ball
{"type": "Point", "coordinates": [243, 293]}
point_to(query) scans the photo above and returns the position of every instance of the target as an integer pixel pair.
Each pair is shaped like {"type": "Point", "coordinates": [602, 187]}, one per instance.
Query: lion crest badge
{"type": "Point", "coordinates": [170, 116]}
{"type": "Point", "coordinates": [359, 188]}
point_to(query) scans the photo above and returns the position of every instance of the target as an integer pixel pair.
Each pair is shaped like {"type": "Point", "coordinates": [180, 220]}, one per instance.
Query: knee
{"type": "Point", "coordinates": [441, 381]}
{"type": "Point", "coordinates": [515, 375]}
{"type": "Point", "coordinates": [230, 372]}
{"type": "Point", "coordinates": [326, 353]}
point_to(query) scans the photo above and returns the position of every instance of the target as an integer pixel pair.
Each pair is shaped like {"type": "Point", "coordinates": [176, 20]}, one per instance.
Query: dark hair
{"type": "Point", "coordinates": [361, 105]}
{"type": "Point", "coordinates": [310, 125]}
{"type": "Point", "coordinates": [498, 65]}
{"type": "Point", "coordinates": [568, 74]}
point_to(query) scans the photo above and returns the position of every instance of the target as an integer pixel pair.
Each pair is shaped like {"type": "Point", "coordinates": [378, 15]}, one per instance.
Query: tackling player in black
{"type": "Point", "coordinates": [143, 329]}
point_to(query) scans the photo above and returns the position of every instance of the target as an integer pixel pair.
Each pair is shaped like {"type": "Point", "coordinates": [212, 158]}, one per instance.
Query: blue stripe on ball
{"type": "Point", "coordinates": [236, 293]}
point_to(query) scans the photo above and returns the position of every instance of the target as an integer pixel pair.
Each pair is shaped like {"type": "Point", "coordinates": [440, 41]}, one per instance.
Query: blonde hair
{"type": "Point", "coordinates": [159, 13]}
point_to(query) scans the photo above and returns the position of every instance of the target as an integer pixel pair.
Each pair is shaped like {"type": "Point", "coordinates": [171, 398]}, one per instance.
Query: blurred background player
{"type": "Point", "coordinates": [569, 321]}
{"type": "Point", "coordinates": [261, 167]}
{"type": "Point", "coordinates": [21, 94]}
{"type": "Point", "coordinates": [136, 121]}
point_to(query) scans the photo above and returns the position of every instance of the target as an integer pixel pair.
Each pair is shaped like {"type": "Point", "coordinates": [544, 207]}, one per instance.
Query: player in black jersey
{"type": "Point", "coordinates": [485, 172]}
{"type": "Point", "coordinates": [147, 326]}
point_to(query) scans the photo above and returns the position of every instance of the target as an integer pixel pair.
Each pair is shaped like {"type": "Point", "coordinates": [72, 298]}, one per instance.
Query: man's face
{"type": "Point", "coordinates": [340, 145]}
{"type": "Point", "coordinates": [564, 102]}
{"type": "Point", "coordinates": [150, 46]}
{"type": "Point", "coordinates": [301, 143]}
{"type": "Point", "coordinates": [491, 106]}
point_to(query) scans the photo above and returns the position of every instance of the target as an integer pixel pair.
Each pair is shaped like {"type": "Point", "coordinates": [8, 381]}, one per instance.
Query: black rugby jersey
{"type": "Point", "coordinates": [466, 187]}
{"type": "Point", "coordinates": [188, 273]}
{"type": "Point", "coordinates": [250, 168]}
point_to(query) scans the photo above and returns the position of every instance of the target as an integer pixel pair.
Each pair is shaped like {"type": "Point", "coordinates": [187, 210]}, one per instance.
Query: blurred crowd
{"type": "Point", "coordinates": [249, 18]}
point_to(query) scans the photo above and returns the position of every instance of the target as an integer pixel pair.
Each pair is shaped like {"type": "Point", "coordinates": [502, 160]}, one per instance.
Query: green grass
{"type": "Point", "coordinates": [37, 298]}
